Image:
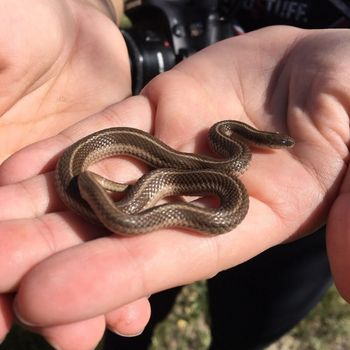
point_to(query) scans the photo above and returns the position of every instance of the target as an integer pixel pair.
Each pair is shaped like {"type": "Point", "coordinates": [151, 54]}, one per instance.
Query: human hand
{"type": "Point", "coordinates": [60, 61]}
{"type": "Point", "coordinates": [276, 79]}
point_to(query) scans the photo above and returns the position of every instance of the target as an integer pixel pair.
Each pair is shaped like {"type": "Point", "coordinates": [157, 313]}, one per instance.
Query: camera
{"type": "Point", "coordinates": [164, 32]}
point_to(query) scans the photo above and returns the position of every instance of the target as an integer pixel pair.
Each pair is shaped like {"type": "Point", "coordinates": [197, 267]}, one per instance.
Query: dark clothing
{"type": "Point", "coordinates": [254, 14]}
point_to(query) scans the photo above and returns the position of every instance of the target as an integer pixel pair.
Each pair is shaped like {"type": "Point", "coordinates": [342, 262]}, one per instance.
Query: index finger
{"type": "Point", "coordinates": [41, 156]}
{"type": "Point", "coordinates": [109, 272]}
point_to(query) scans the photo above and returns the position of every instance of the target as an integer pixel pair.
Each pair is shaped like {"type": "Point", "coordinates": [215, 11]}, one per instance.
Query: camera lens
{"type": "Point", "coordinates": [150, 54]}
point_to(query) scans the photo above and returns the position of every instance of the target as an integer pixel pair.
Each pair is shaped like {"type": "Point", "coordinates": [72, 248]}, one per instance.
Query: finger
{"type": "Point", "coordinates": [31, 229]}
{"type": "Point", "coordinates": [6, 315]}
{"type": "Point", "coordinates": [131, 319]}
{"type": "Point", "coordinates": [26, 242]}
{"type": "Point", "coordinates": [113, 271]}
{"type": "Point", "coordinates": [37, 195]}
{"type": "Point", "coordinates": [29, 199]}
{"type": "Point", "coordinates": [42, 156]}
{"type": "Point", "coordinates": [338, 243]}
{"type": "Point", "coordinates": [84, 335]}
{"type": "Point", "coordinates": [35, 224]}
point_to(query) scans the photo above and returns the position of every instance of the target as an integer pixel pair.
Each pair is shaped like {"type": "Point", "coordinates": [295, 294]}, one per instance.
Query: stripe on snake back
{"type": "Point", "coordinates": [229, 138]}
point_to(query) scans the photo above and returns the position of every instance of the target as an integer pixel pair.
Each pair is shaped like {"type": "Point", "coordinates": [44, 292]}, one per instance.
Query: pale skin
{"type": "Point", "coordinates": [46, 48]}
{"type": "Point", "coordinates": [69, 278]}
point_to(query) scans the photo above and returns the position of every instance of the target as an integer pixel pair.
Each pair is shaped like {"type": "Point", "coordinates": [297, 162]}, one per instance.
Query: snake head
{"type": "Point", "coordinates": [277, 140]}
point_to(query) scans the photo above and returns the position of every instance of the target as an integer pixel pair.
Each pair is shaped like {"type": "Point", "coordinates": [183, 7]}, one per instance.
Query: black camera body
{"type": "Point", "coordinates": [164, 32]}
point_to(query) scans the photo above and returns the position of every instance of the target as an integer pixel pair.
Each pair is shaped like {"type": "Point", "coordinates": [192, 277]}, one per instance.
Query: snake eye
{"type": "Point", "coordinates": [288, 142]}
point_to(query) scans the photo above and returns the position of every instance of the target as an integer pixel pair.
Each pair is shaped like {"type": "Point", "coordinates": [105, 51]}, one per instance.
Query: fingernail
{"type": "Point", "coordinates": [127, 335]}
{"type": "Point", "coordinates": [53, 344]}
{"type": "Point", "coordinates": [20, 319]}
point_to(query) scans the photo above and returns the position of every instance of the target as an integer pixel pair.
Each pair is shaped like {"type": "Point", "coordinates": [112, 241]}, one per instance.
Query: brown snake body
{"type": "Point", "coordinates": [177, 173]}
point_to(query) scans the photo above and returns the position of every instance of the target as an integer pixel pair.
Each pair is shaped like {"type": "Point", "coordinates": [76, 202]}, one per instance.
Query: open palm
{"type": "Point", "coordinates": [60, 61]}
{"type": "Point", "coordinates": [278, 79]}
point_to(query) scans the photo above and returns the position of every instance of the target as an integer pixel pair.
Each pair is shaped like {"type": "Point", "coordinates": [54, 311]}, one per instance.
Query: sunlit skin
{"type": "Point", "coordinates": [278, 79]}
{"type": "Point", "coordinates": [56, 68]}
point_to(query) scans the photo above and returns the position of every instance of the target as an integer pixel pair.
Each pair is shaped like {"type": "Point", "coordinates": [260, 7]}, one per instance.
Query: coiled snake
{"type": "Point", "coordinates": [176, 173]}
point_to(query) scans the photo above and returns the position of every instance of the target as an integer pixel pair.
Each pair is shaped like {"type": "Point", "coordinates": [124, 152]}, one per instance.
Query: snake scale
{"type": "Point", "coordinates": [175, 173]}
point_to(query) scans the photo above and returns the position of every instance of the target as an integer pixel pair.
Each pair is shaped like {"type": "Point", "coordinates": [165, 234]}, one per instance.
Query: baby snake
{"type": "Point", "coordinates": [176, 173]}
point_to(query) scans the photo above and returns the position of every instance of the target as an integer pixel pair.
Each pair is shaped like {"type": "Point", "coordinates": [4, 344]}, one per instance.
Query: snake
{"type": "Point", "coordinates": [173, 173]}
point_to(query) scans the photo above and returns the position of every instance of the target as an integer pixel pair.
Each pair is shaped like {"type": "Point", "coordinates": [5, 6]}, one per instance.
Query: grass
{"type": "Point", "coordinates": [327, 327]}
{"type": "Point", "coordinates": [186, 326]}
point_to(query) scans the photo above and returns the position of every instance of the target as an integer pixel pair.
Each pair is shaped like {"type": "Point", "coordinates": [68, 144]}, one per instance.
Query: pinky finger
{"type": "Point", "coordinates": [131, 319]}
